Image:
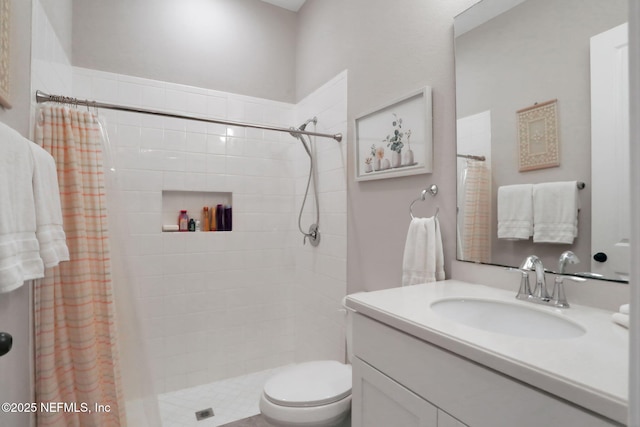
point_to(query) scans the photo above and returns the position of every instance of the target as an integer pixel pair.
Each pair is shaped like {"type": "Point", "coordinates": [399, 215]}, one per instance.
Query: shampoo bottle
{"type": "Point", "coordinates": [183, 221]}
{"type": "Point", "coordinates": [214, 222]}
{"type": "Point", "coordinates": [205, 219]}
{"type": "Point", "coordinates": [220, 226]}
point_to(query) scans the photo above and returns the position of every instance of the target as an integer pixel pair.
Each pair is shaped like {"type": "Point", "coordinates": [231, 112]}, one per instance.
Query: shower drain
{"type": "Point", "coordinates": [204, 414]}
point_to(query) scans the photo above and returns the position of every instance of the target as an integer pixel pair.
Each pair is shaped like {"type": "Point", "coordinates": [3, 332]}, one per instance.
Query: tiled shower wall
{"type": "Point", "coordinates": [216, 305]}
{"type": "Point", "coordinates": [321, 281]}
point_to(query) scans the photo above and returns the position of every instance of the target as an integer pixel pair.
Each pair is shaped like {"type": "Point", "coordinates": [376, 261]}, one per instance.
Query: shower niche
{"type": "Point", "coordinates": [173, 201]}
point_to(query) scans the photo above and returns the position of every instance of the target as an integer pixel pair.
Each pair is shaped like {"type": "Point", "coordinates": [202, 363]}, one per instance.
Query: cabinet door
{"type": "Point", "coordinates": [378, 401]}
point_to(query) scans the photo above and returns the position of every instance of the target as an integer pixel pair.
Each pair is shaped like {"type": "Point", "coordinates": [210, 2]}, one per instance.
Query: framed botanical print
{"type": "Point", "coordinates": [396, 138]}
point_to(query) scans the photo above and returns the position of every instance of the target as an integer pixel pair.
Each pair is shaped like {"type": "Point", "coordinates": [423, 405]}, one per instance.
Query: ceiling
{"type": "Point", "coordinates": [293, 5]}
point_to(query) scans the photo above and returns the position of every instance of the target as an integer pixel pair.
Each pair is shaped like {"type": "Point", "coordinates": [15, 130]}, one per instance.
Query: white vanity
{"type": "Point", "coordinates": [423, 359]}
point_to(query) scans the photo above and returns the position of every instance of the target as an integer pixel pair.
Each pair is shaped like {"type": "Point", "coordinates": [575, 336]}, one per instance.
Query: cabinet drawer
{"type": "Point", "coordinates": [475, 395]}
{"type": "Point", "coordinates": [378, 401]}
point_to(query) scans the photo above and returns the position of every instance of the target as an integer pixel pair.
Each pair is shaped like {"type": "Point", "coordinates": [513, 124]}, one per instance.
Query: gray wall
{"type": "Point", "coordinates": [390, 49]}
{"type": "Point", "coordinates": [536, 52]}
{"type": "Point", "coordinates": [15, 306]}
{"type": "Point", "coordinates": [240, 46]}
{"type": "Point", "coordinates": [60, 14]}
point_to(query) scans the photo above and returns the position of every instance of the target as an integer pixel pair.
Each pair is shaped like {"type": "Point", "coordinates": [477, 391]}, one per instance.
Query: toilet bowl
{"type": "Point", "coordinates": [311, 394]}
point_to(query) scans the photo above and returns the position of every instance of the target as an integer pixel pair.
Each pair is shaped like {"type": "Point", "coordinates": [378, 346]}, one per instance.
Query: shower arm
{"type": "Point", "coordinates": [45, 97]}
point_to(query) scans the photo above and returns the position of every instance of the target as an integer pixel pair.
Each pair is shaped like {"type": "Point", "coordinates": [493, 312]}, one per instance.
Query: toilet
{"type": "Point", "coordinates": [310, 394]}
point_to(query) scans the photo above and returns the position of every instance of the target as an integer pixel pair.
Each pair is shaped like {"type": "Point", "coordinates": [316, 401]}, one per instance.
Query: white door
{"type": "Point", "coordinates": [610, 153]}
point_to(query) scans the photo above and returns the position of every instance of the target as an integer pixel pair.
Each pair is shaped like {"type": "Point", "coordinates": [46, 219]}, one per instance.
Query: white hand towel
{"type": "Point", "coordinates": [555, 212]}
{"type": "Point", "coordinates": [624, 309]}
{"type": "Point", "coordinates": [19, 250]}
{"type": "Point", "coordinates": [621, 319]}
{"type": "Point", "coordinates": [423, 255]}
{"type": "Point", "coordinates": [46, 194]}
{"type": "Point", "coordinates": [515, 212]}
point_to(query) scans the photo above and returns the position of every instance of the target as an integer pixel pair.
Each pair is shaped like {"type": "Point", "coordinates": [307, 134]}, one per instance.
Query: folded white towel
{"type": "Point", "coordinates": [621, 319]}
{"type": "Point", "coordinates": [423, 255]}
{"type": "Point", "coordinates": [19, 250]}
{"type": "Point", "coordinates": [624, 309]}
{"type": "Point", "coordinates": [46, 194]}
{"type": "Point", "coordinates": [515, 211]}
{"type": "Point", "coordinates": [555, 212]}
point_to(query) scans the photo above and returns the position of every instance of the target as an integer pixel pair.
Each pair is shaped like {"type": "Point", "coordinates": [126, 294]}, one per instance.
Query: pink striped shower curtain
{"type": "Point", "coordinates": [477, 210]}
{"type": "Point", "coordinates": [75, 331]}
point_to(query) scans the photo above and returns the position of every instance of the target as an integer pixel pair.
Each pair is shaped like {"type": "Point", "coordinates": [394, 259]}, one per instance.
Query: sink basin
{"type": "Point", "coordinates": [507, 318]}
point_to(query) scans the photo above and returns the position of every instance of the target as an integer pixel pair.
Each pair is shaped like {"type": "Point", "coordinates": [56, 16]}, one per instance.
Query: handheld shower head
{"type": "Point", "coordinates": [302, 127]}
{"type": "Point", "coordinates": [313, 120]}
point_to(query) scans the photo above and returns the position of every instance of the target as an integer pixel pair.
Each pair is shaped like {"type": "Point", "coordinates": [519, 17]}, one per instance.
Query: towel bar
{"type": "Point", "coordinates": [433, 190]}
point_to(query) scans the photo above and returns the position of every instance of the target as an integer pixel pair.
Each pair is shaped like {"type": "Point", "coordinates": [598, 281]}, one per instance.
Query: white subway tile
{"type": "Point", "coordinates": [175, 100]}
{"type": "Point", "coordinates": [216, 164]}
{"type": "Point", "coordinates": [197, 104]}
{"type": "Point", "coordinates": [151, 138]}
{"type": "Point", "coordinates": [104, 89]}
{"type": "Point", "coordinates": [175, 161]}
{"type": "Point", "coordinates": [196, 163]}
{"type": "Point", "coordinates": [217, 107]}
{"type": "Point", "coordinates": [129, 94]}
{"type": "Point", "coordinates": [128, 136]}
{"type": "Point", "coordinates": [152, 97]}
{"type": "Point", "coordinates": [235, 109]}
{"type": "Point", "coordinates": [196, 142]}
{"type": "Point", "coordinates": [175, 140]}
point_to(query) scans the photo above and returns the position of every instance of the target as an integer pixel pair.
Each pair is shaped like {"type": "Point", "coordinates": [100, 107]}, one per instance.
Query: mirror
{"type": "Point", "coordinates": [529, 113]}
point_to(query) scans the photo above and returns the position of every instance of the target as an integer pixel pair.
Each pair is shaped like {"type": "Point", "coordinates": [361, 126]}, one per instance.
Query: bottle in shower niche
{"type": "Point", "coordinates": [192, 225]}
{"type": "Point", "coordinates": [205, 219]}
{"type": "Point", "coordinates": [213, 224]}
{"type": "Point", "coordinates": [228, 223]}
{"type": "Point", "coordinates": [183, 221]}
{"type": "Point", "coordinates": [220, 225]}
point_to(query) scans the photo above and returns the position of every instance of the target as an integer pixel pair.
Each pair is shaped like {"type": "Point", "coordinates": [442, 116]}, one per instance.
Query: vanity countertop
{"type": "Point", "coordinates": [590, 370]}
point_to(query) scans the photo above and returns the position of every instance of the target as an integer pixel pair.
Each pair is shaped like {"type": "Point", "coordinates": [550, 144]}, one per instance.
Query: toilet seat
{"type": "Point", "coordinates": [310, 384]}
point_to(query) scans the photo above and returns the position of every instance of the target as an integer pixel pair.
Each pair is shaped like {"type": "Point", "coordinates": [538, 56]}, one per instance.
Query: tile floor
{"type": "Point", "coordinates": [255, 421]}
{"type": "Point", "coordinates": [231, 400]}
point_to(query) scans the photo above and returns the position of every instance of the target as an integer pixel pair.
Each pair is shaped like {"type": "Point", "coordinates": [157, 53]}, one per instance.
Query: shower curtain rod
{"type": "Point", "coordinates": [45, 97]}
{"type": "Point", "coordinates": [469, 156]}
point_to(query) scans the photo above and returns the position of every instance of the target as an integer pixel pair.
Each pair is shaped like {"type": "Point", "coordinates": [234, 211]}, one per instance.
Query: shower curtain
{"type": "Point", "coordinates": [477, 222]}
{"type": "Point", "coordinates": [77, 361]}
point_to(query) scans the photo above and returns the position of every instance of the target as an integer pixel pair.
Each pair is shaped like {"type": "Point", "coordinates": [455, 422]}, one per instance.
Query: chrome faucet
{"type": "Point", "coordinates": [540, 293]}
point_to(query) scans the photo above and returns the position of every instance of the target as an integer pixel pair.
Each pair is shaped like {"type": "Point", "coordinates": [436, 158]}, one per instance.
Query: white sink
{"type": "Point", "coordinates": [507, 318]}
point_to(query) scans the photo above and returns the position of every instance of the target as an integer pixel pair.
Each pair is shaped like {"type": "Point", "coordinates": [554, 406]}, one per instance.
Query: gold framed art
{"type": "Point", "coordinates": [5, 41]}
{"type": "Point", "coordinates": [538, 136]}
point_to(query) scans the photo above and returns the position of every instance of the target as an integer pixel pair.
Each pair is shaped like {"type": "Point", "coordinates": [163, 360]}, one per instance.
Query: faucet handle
{"type": "Point", "coordinates": [558, 298]}
{"type": "Point", "coordinates": [524, 292]}
{"type": "Point", "coordinates": [567, 257]}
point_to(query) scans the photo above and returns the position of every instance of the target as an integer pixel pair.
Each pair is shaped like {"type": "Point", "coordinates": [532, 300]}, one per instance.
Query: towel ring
{"type": "Point", "coordinates": [433, 190]}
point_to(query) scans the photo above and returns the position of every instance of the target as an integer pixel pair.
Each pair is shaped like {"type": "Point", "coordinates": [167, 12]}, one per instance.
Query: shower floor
{"type": "Point", "coordinates": [231, 400]}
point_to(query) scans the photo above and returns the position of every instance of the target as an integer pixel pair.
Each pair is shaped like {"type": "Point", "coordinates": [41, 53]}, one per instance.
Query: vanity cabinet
{"type": "Point", "coordinates": [404, 381]}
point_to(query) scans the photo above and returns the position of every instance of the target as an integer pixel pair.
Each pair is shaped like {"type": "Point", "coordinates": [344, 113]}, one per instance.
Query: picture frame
{"type": "Point", "coordinates": [5, 43]}
{"type": "Point", "coordinates": [538, 136]}
{"type": "Point", "coordinates": [395, 139]}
